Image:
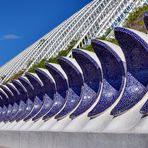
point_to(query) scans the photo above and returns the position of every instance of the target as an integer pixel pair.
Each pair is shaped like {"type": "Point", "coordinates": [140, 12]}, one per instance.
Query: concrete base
{"type": "Point", "coordinates": [71, 140]}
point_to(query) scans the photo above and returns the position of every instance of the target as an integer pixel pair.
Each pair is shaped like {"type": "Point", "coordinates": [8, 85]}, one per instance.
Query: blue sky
{"type": "Point", "coordinates": [22, 22]}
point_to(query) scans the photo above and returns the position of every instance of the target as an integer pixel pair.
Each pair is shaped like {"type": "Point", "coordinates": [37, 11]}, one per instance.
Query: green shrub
{"type": "Point", "coordinates": [112, 40]}
{"type": "Point", "coordinates": [15, 76]}
{"type": "Point", "coordinates": [41, 64]}
{"type": "Point", "coordinates": [135, 19]}
{"type": "Point", "coordinates": [88, 48]}
{"type": "Point", "coordinates": [53, 59]}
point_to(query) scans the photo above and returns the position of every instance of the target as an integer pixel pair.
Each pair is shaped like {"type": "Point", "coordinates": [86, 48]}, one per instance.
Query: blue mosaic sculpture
{"type": "Point", "coordinates": [1, 106]}
{"type": "Point", "coordinates": [146, 19]}
{"type": "Point", "coordinates": [16, 100]}
{"type": "Point", "coordinates": [75, 80]}
{"type": "Point", "coordinates": [38, 95]}
{"type": "Point", "coordinates": [49, 90]}
{"type": "Point", "coordinates": [4, 105]}
{"type": "Point", "coordinates": [92, 73]}
{"type": "Point", "coordinates": [10, 100]}
{"type": "Point", "coordinates": [113, 72]}
{"type": "Point", "coordinates": [144, 109]}
{"type": "Point", "coordinates": [135, 49]}
{"type": "Point", "coordinates": [23, 104]}
{"type": "Point", "coordinates": [109, 82]}
{"type": "Point", "coordinates": [62, 87]}
{"type": "Point", "coordinates": [4, 98]}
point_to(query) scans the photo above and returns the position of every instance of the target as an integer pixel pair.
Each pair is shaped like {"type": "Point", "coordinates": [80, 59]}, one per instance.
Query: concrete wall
{"type": "Point", "coordinates": [71, 140]}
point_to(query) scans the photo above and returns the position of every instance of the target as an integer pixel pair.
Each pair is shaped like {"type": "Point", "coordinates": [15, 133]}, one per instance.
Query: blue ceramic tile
{"type": "Point", "coordinates": [9, 110]}
{"type": "Point", "coordinates": [56, 107]}
{"type": "Point", "coordinates": [134, 92]}
{"type": "Point", "coordinates": [108, 96]}
{"type": "Point", "coordinates": [92, 81]}
{"type": "Point", "coordinates": [136, 53]}
{"type": "Point", "coordinates": [24, 110]}
{"type": "Point", "coordinates": [14, 111]}
{"type": "Point", "coordinates": [4, 112]}
{"type": "Point", "coordinates": [47, 103]}
{"type": "Point", "coordinates": [75, 80]}
{"type": "Point", "coordinates": [146, 19]}
{"type": "Point", "coordinates": [113, 72]}
{"type": "Point", "coordinates": [60, 96]}
{"type": "Point", "coordinates": [36, 108]}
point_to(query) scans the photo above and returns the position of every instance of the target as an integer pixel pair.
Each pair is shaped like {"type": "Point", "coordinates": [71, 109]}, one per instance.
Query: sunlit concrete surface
{"type": "Point", "coordinates": [71, 140]}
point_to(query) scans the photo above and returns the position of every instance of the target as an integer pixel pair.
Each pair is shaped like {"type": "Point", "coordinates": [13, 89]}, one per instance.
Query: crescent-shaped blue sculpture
{"type": "Point", "coordinates": [75, 80]}
{"type": "Point", "coordinates": [38, 98]}
{"type": "Point", "coordinates": [146, 19]}
{"type": "Point", "coordinates": [23, 101]}
{"type": "Point", "coordinates": [16, 98]}
{"type": "Point", "coordinates": [49, 90]}
{"type": "Point", "coordinates": [5, 104]}
{"type": "Point", "coordinates": [62, 87]}
{"type": "Point", "coordinates": [92, 73]}
{"type": "Point", "coordinates": [135, 49]}
{"type": "Point", "coordinates": [11, 100]}
{"type": "Point", "coordinates": [144, 109]}
{"type": "Point", "coordinates": [114, 75]}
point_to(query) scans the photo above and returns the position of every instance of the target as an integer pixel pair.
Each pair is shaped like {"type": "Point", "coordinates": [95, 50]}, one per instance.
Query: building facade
{"type": "Point", "coordinates": [91, 21]}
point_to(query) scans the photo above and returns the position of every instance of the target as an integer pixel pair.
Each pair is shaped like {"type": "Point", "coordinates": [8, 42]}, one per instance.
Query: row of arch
{"type": "Point", "coordinates": [111, 80]}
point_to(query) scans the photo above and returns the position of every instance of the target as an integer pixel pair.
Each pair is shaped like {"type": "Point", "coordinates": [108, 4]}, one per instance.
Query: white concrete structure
{"type": "Point", "coordinates": [92, 100]}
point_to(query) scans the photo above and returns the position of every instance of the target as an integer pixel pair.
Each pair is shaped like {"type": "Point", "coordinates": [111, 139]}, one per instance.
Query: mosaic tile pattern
{"type": "Point", "coordinates": [10, 101]}
{"type": "Point", "coordinates": [23, 94]}
{"type": "Point", "coordinates": [75, 80]}
{"type": "Point", "coordinates": [144, 109]}
{"type": "Point", "coordinates": [36, 107]}
{"type": "Point", "coordinates": [28, 87]}
{"type": "Point", "coordinates": [8, 113]}
{"type": "Point", "coordinates": [56, 107]}
{"type": "Point", "coordinates": [38, 96]}
{"type": "Point", "coordinates": [61, 94]}
{"type": "Point", "coordinates": [89, 82]}
{"type": "Point", "coordinates": [92, 81]}
{"type": "Point", "coordinates": [48, 91]}
{"type": "Point", "coordinates": [24, 110]}
{"type": "Point", "coordinates": [9, 93]}
{"type": "Point", "coordinates": [3, 113]}
{"type": "Point", "coordinates": [14, 112]}
{"type": "Point", "coordinates": [134, 91]}
{"type": "Point", "coordinates": [47, 103]}
{"type": "Point", "coordinates": [146, 19]}
{"type": "Point", "coordinates": [4, 99]}
{"type": "Point", "coordinates": [137, 66]}
{"type": "Point", "coordinates": [108, 97]}
{"type": "Point", "coordinates": [113, 72]}
{"type": "Point", "coordinates": [15, 106]}
{"type": "Point", "coordinates": [23, 97]}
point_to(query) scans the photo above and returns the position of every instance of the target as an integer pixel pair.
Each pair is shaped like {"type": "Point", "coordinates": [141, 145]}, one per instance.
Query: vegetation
{"type": "Point", "coordinates": [41, 64]}
{"type": "Point", "coordinates": [88, 48]}
{"type": "Point", "coordinates": [135, 19]}
{"type": "Point", "coordinates": [112, 40]}
{"type": "Point", "coordinates": [15, 76]}
{"type": "Point", "coordinates": [65, 52]}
